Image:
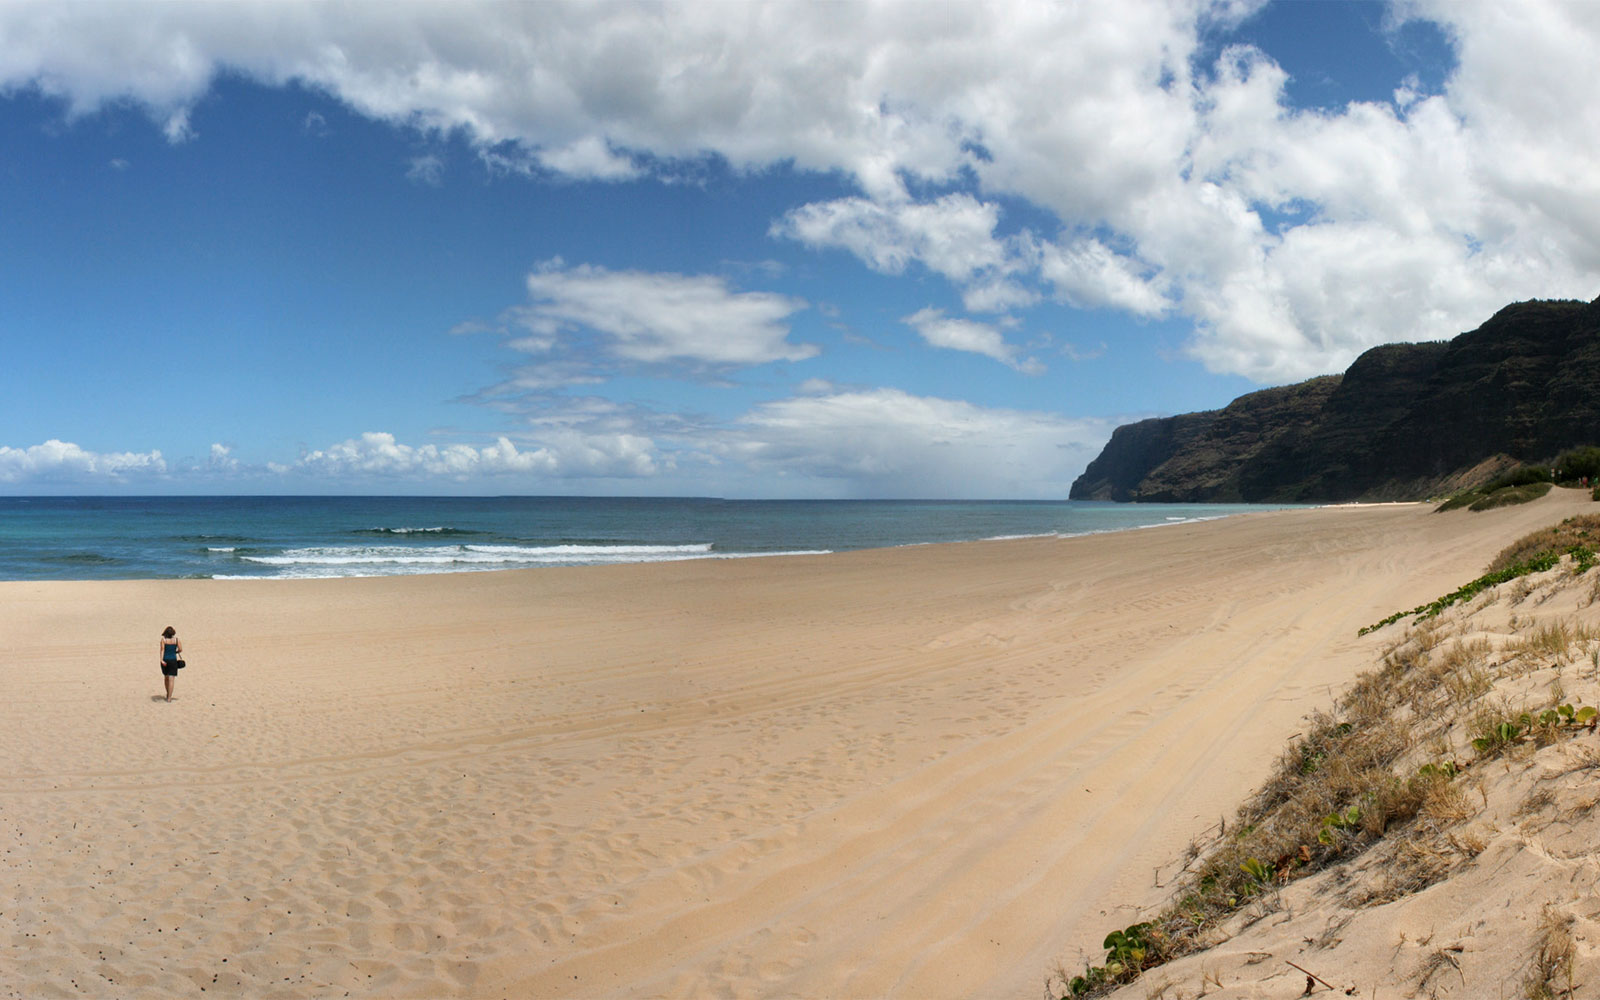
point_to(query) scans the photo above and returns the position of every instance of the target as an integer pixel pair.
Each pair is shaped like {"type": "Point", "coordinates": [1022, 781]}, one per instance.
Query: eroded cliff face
{"type": "Point", "coordinates": [1403, 420]}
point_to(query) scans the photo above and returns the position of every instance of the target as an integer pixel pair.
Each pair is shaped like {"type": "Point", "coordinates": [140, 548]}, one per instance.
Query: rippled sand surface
{"type": "Point", "coordinates": [929, 771]}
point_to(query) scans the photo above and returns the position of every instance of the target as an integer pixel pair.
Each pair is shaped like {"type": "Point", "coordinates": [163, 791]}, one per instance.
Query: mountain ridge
{"type": "Point", "coordinates": [1404, 421]}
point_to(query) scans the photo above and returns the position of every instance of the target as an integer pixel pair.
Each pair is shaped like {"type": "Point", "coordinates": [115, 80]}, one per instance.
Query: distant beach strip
{"type": "Point", "coordinates": [112, 538]}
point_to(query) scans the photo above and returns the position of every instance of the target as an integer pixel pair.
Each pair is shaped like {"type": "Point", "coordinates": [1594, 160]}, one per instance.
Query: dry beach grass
{"type": "Point", "coordinates": [1432, 836]}
{"type": "Point", "coordinates": [933, 771]}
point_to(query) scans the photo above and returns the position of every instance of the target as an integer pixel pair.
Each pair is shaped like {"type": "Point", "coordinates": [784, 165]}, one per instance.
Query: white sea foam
{"type": "Point", "coordinates": [1168, 522]}
{"type": "Point", "coordinates": [400, 560]}
{"type": "Point", "coordinates": [591, 551]}
{"type": "Point", "coordinates": [220, 548]}
{"type": "Point", "coordinates": [352, 555]}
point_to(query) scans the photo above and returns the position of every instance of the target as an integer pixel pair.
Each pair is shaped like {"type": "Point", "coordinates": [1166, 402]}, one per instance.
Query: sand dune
{"type": "Point", "coordinates": [929, 771]}
{"type": "Point", "coordinates": [1472, 872]}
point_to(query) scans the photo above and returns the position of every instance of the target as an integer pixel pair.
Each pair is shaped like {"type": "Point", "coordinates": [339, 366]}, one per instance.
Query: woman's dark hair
{"type": "Point", "coordinates": [169, 633]}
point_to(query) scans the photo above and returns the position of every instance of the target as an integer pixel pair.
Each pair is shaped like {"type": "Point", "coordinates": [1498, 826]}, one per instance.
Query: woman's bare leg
{"type": "Point", "coordinates": [169, 681]}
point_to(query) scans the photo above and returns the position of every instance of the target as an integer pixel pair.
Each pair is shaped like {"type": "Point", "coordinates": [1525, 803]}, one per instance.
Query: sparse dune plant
{"type": "Point", "coordinates": [1555, 954]}
{"type": "Point", "coordinates": [1383, 769]}
{"type": "Point", "coordinates": [1463, 675]}
{"type": "Point", "coordinates": [1553, 639]}
{"type": "Point", "coordinates": [1583, 529]}
{"type": "Point", "coordinates": [1583, 559]}
{"type": "Point", "coordinates": [1533, 553]}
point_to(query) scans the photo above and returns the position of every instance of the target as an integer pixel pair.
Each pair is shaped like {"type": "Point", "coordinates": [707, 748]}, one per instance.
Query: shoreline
{"type": "Point", "coordinates": [924, 770]}
{"type": "Point", "coordinates": [707, 557]}
{"type": "Point", "coordinates": [220, 537]}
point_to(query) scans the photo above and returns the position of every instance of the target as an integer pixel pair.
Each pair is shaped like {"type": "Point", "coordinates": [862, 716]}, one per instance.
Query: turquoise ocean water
{"type": "Point", "coordinates": [87, 538]}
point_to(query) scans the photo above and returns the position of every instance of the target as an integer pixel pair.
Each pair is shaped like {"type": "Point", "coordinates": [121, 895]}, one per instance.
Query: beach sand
{"type": "Point", "coordinates": [921, 772]}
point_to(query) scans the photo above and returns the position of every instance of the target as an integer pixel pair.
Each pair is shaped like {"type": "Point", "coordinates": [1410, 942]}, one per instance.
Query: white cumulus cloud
{"type": "Point", "coordinates": [1171, 182]}
{"type": "Point", "coordinates": [378, 454]}
{"type": "Point", "coordinates": [886, 442]}
{"type": "Point", "coordinates": [220, 459]}
{"type": "Point", "coordinates": [655, 318]}
{"type": "Point", "coordinates": [588, 158]}
{"type": "Point", "coordinates": [63, 461]}
{"type": "Point", "coordinates": [1088, 274]}
{"type": "Point", "coordinates": [953, 236]}
{"type": "Point", "coordinates": [956, 334]}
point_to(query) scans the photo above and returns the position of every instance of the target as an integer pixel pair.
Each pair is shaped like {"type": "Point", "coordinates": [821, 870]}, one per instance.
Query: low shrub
{"type": "Point", "coordinates": [1508, 496]}
{"type": "Point", "coordinates": [1578, 464]}
{"type": "Point", "coordinates": [1467, 498]}
{"type": "Point", "coordinates": [1525, 476]}
{"type": "Point", "coordinates": [1496, 494]}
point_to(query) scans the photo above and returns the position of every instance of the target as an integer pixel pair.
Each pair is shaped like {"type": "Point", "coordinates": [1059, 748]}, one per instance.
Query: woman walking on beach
{"type": "Point", "coordinates": [171, 647]}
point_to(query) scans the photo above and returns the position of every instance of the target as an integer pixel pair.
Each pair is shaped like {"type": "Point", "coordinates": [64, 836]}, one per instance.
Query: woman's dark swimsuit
{"type": "Point", "coordinates": [169, 659]}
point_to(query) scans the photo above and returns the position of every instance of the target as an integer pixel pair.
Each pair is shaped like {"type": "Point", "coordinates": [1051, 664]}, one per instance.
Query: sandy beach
{"type": "Point", "coordinates": [921, 772]}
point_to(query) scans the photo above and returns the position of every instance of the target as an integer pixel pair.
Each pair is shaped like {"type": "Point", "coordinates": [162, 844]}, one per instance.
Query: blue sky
{"type": "Point", "coordinates": [830, 250]}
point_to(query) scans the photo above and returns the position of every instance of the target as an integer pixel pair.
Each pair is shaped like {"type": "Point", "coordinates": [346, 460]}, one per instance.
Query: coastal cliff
{"type": "Point", "coordinates": [1403, 421]}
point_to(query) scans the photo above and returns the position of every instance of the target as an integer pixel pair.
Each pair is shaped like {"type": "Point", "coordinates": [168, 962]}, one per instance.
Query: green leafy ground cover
{"type": "Point", "coordinates": [1533, 553]}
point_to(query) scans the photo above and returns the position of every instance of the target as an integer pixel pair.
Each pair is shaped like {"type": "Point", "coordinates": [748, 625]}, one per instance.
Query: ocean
{"type": "Point", "coordinates": [112, 538]}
